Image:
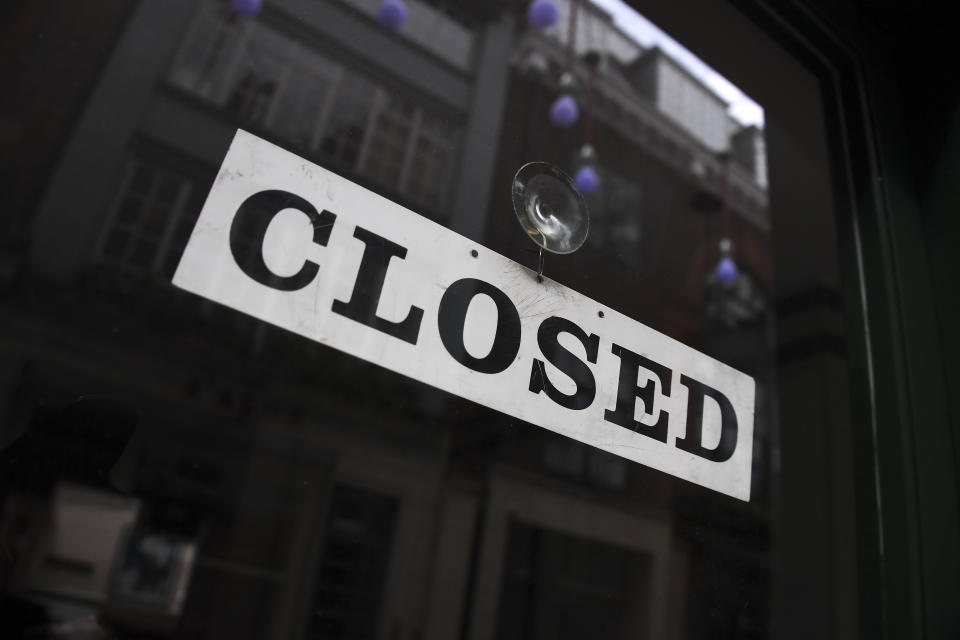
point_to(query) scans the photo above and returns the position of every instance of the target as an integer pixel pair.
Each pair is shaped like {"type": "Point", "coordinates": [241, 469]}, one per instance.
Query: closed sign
{"type": "Point", "coordinates": [297, 246]}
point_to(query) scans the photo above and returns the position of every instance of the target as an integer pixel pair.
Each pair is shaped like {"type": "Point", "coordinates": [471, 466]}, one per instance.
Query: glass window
{"type": "Point", "coordinates": [313, 444]}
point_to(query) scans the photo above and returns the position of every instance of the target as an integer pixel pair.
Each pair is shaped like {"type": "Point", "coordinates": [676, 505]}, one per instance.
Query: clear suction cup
{"type": "Point", "coordinates": [550, 208]}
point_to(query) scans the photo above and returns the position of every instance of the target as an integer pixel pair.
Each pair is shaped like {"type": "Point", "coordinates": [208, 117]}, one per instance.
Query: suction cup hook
{"type": "Point", "coordinates": [550, 209]}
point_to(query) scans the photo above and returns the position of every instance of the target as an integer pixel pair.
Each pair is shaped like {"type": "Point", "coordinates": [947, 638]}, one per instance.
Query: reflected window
{"type": "Point", "coordinates": [148, 226]}
{"type": "Point", "coordinates": [267, 80]}
{"type": "Point", "coordinates": [576, 460]}
{"type": "Point", "coordinates": [389, 138]}
{"type": "Point", "coordinates": [431, 161]}
{"type": "Point", "coordinates": [352, 571]}
{"type": "Point", "coordinates": [345, 132]}
{"type": "Point", "coordinates": [551, 592]}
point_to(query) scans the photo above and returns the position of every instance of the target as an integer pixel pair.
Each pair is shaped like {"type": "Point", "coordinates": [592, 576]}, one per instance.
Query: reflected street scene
{"type": "Point", "coordinates": [171, 466]}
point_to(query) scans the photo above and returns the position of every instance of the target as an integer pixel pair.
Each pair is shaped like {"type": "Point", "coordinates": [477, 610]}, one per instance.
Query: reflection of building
{"type": "Point", "coordinates": [662, 138]}
{"type": "Point", "coordinates": [254, 72]}
{"type": "Point", "coordinates": [678, 95]}
{"type": "Point", "coordinates": [327, 499]}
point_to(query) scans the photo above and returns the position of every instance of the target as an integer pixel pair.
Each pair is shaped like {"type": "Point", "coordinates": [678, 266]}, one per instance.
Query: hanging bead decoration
{"type": "Point", "coordinates": [247, 7]}
{"type": "Point", "coordinates": [586, 177]}
{"type": "Point", "coordinates": [391, 14]}
{"type": "Point", "coordinates": [543, 13]}
{"type": "Point", "coordinates": [726, 270]}
{"type": "Point", "coordinates": [564, 110]}
{"type": "Point", "coordinates": [587, 180]}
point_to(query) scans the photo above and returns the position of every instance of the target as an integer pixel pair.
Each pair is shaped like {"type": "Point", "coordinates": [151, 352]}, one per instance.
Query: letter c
{"type": "Point", "coordinates": [249, 227]}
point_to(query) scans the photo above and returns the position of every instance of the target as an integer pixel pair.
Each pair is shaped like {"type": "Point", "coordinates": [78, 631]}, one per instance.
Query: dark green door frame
{"type": "Point", "coordinates": [888, 102]}
{"type": "Point", "coordinates": [890, 99]}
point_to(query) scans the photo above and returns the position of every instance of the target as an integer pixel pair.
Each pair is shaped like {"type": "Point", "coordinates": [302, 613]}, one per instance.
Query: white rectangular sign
{"type": "Point", "coordinates": [295, 245]}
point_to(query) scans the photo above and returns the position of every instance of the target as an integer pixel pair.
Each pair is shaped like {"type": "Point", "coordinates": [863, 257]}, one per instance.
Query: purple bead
{"type": "Point", "coordinates": [392, 14]}
{"type": "Point", "coordinates": [586, 180]}
{"type": "Point", "coordinates": [247, 7]}
{"type": "Point", "coordinates": [543, 13]}
{"type": "Point", "coordinates": [726, 269]}
{"type": "Point", "coordinates": [564, 111]}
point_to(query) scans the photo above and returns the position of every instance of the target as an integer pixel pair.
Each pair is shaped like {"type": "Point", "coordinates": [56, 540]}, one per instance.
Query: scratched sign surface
{"type": "Point", "coordinates": [297, 246]}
